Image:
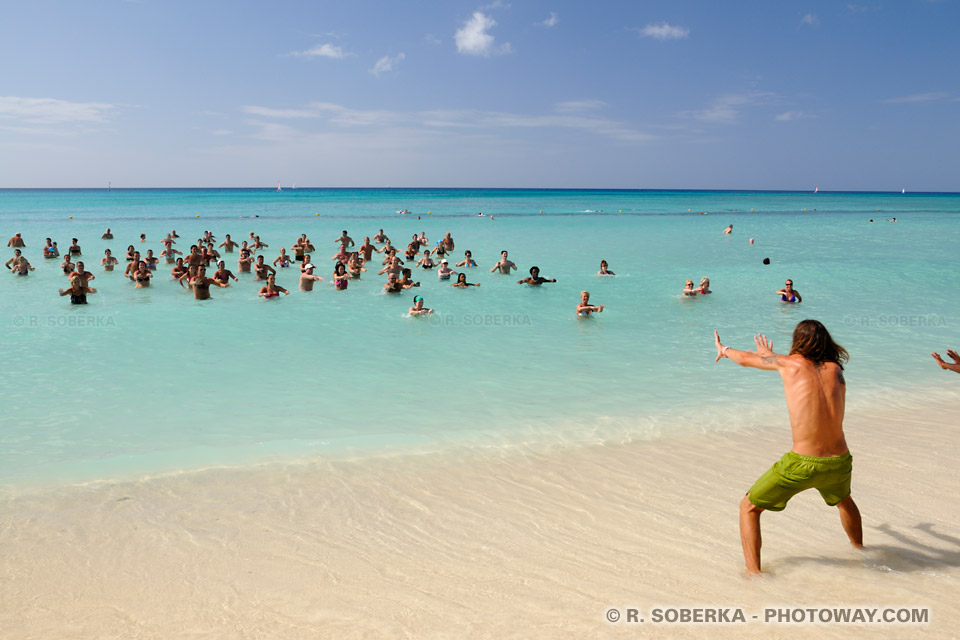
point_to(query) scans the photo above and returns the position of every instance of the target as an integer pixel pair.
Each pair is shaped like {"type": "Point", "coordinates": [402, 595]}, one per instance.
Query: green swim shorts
{"type": "Point", "coordinates": [794, 473]}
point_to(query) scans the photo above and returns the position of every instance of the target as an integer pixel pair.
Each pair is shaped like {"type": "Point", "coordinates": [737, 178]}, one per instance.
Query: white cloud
{"type": "Point", "coordinates": [52, 111]}
{"type": "Point", "coordinates": [321, 51]}
{"type": "Point", "coordinates": [726, 109]}
{"type": "Point", "coordinates": [575, 106]}
{"type": "Point", "coordinates": [431, 121]}
{"type": "Point", "coordinates": [810, 19]}
{"type": "Point", "coordinates": [551, 20]}
{"type": "Point", "coordinates": [472, 38]}
{"type": "Point", "coordinates": [221, 132]}
{"type": "Point", "coordinates": [386, 63]}
{"type": "Point", "coordinates": [917, 97]}
{"type": "Point", "coordinates": [663, 31]}
{"type": "Point", "coordinates": [787, 116]}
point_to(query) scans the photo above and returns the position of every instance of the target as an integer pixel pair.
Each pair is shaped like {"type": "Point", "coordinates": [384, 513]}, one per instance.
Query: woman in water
{"type": "Point", "coordinates": [179, 269]}
{"type": "Point", "coordinates": [66, 265]}
{"type": "Point", "coordinates": [340, 276]}
{"type": "Point", "coordinates": [130, 252]}
{"type": "Point", "coordinates": [78, 291]}
{"type": "Point", "coordinates": [467, 261]}
{"type": "Point", "coordinates": [151, 260]}
{"type": "Point", "coordinates": [418, 309]}
{"type": "Point", "coordinates": [704, 286]}
{"type": "Point", "coordinates": [788, 294]}
{"type": "Point", "coordinates": [462, 282]}
{"type": "Point", "coordinates": [272, 289]}
{"type": "Point", "coordinates": [688, 290]}
{"type": "Point", "coordinates": [74, 249]}
{"type": "Point", "coordinates": [604, 271]}
{"type": "Point", "coordinates": [355, 266]}
{"type": "Point", "coordinates": [444, 272]}
{"type": "Point", "coordinates": [282, 260]}
{"type": "Point", "coordinates": [425, 261]}
{"type": "Point", "coordinates": [108, 262]}
{"type": "Point", "coordinates": [169, 254]}
{"type": "Point", "coordinates": [584, 309]}
{"type": "Point", "coordinates": [141, 276]}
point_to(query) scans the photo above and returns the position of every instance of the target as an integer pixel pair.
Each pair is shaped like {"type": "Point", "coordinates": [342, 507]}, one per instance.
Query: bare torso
{"type": "Point", "coordinates": [815, 400]}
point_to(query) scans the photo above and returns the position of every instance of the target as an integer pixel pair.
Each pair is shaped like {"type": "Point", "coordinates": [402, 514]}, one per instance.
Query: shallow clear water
{"type": "Point", "coordinates": [150, 380]}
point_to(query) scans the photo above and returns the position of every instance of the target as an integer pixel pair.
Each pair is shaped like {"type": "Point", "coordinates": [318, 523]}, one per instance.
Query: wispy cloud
{"type": "Point", "coordinates": [474, 39]}
{"type": "Point", "coordinates": [221, 132]}
{"type": "Point", "coordinates": [788, 116]}
{"type": "Point", "coordinates": [576, 106]}
{"type": "Point", "coordinates": [551, 20]}
{"type": "Point", "coordinates": [917, 97]}
{"type": "Point", "coordinates": [374, 121]}
{"type": "Point", "coordinates": [50, 111]}
{"type": "Point", "coordinates": [386, 63]}
{"type": "Point", "coordinates": [810, 19]}
{"type": "Point", "coordinates": [663, 31]}
{"type": "Point", "coordinates": [726, 109]}
{"type": "Point", "coordinates": [326, 50]}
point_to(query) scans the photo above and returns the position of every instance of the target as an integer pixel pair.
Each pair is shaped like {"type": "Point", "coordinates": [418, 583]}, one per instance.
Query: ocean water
{"type": "Point", "coordinates": [145, 381]}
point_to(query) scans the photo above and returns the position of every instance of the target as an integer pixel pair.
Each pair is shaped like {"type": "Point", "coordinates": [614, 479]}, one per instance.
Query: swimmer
{"type": "Point", "coordinates": [704, 286]}
{"type": "Point", "coordinates": [386, 248]}
{"type": "Point", "coordinates": [107, 235]}
{"type": "Point", "coordinates": [307, 279]}
{"type": "Point", "coordinates": [367, 249]}
{"type": "Point", "coordinates": [393, 268]}
{"type": "Point", "coordinates": [141, 276]}
{"type": "Point", "coordinates": [345, 240]}
{"type": "Point", "coordinates": [444, 272]}
{"type": "Point", "coordinates": [392, 285]}
{"type": "Point", "coordinates": [535, 280]}
{"type": "Point", "coordinates": [462, 282]}
{"type": "Point", "coordinates": [751, 240]}
{"type": "Point", "coordinates": [354, 266]}
{"type": "Point", "coordinates": [504, 265]}
{"type": "Point", "coordinates": [16, 241]}
{"type": "Point", "coordinates": [306, 260]}
{"type": "Point", "coordinates": [340, 276]}
{"type": "Point", "coordinates": [418, 309]}
{"type": "Point", "coordinates": [143, 237]}
{"type": "Point", "coordinates": [426, 262]}
{"type": "Point", "coordinates": [67, 266]}
{"type": "Point", "coordinates": [423, 238]}
{"type": "Point", "coordinates": [406, 279]}
{"type": "Point", "coordinates": [283, 259]}
{"type": "Point", "coordinates": [257, 244]}
{"type": "Point", "coordinates": [74, 249]}
{"type": "Point", "coordinates": [728, 230]}
{"type": "Point", "coordinates": [262, 270]}
{"type": "Point", "coordinates": [108, 262]}
{"type": "Point", "coordinates": [245, 260]}
{"type": "Point", "coordinates": [151, 260]}
{"type": "Point", "coordinates": [788, 293]}
{"type": "Point", "coordinates": [955, 366]}
{"type": "Point", "coordinates": [169, 254]}
{"type": "Point", "coordinates": [228, 244]}
{"type": "Point", "coordinates": [81, 273]}
{"type": "Point", "coordinates": [201, 284]}
{"type": "Point", "coordinates": [50, 250]}
{"type": "Point", "coordinates": [381, 237]}
{"type": "Point", "coordinates": [440, 252]}
{"type": "Point", "coordinates": [272, 289]}
{"type": "Point", "coordinates": [467, 261]}
{"type": "Point", "coordinates": [78, 291]}
{"type": "Point", "coordinates": [584, 309]}
{"type": "Point", "coordinates": [173, 233]}
{"type": "Point", "coordinates": [688, 290]}
{"type": "Point", "coordinates": [179, 269]}
{"type": "Point", "coordinates": [447, 243]}
{"type": "Point", "coordinates": [222, 274]}
{"type": "Point", "coordinates": [604, 270]}
{"type": "Point", "coordinates": [130, 253]}
{"type": "Point", "coordinates": [19, 265]}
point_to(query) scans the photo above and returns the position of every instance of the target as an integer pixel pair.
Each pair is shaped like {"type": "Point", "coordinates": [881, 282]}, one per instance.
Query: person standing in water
{"type": "Point", "coordinates": [788, 293]}
{"type": "Point", "coordinates": [504, 265]}
{"type": "Point", "coordinates": [535, 278]}
{"type": "Point", "coordinates": [815, 390]}
{"type": "Point", "coordinates": [584, 309]}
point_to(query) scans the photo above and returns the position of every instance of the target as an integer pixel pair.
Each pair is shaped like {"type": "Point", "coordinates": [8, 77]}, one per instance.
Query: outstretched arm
{"type": "Point", "coordinates": [762, 358]}
{"type": "Point", "coordinates": [954, 366]}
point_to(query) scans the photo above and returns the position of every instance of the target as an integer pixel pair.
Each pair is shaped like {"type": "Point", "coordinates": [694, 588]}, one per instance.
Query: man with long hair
{"type": "Point", "coordinates": [815, 390]}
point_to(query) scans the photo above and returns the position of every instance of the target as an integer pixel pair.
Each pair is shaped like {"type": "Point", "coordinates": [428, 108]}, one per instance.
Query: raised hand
{"type": "Point", "coordinates": [764, 346]}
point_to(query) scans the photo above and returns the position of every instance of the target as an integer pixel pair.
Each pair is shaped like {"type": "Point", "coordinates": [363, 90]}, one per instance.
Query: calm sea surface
{"type": "Point", "coordinates": [149, 380]}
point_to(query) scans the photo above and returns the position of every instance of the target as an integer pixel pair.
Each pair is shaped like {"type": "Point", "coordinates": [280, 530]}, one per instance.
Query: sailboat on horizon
{"type": "Point", "coordinates": [278, 186]}
{"type": "Point", "coordinates": [816, 189]}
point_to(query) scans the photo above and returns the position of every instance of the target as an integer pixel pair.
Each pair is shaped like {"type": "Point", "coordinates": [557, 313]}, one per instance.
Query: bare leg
{"type": "Point", "coordinates": [750, 534]}
{"type": "Point", "coordinates": [850, 519]}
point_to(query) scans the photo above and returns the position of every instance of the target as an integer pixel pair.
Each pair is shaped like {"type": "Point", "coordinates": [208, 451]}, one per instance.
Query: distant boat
{"type": "Point", "coordinates": [816, 189]}
{"type": "Point", "coordinates": [903, 190]}
{"type": "Point", "coordinates": [278, 186]}
{"type": "Point", "coordinates": [109, 186]}
{"type": "Point", "coordinates": [294, 186]}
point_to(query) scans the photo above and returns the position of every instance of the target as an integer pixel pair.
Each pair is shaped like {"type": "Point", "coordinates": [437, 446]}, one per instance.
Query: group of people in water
{"type": "Point", "coordinates": [204, 266]}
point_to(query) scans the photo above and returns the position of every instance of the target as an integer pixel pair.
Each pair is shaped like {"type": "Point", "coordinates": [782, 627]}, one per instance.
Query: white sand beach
{"type": "Point", "coordinates": [466, 544]}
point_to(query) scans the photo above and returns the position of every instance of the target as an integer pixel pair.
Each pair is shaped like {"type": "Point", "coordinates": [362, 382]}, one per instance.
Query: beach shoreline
{"type": "Point", "coordinates": [488, 544]}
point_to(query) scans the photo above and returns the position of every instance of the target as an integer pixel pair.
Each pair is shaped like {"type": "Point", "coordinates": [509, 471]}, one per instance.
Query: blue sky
{"type": "Point", "coordinates": [746, 94]}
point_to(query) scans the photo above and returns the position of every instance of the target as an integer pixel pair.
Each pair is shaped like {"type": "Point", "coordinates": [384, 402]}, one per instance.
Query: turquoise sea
{"type": "Point", "coordinates": [146, 381]}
